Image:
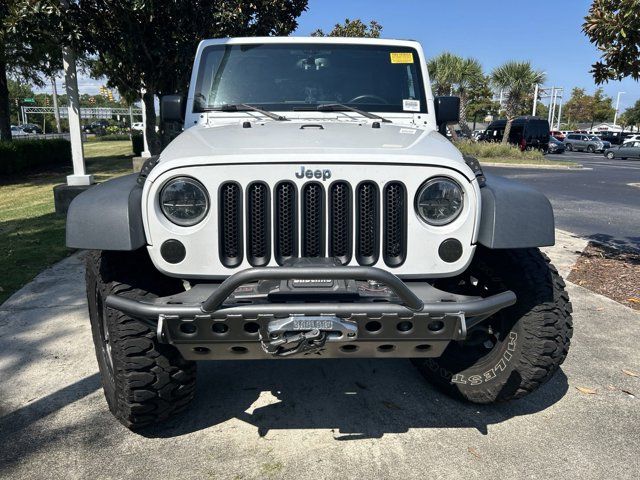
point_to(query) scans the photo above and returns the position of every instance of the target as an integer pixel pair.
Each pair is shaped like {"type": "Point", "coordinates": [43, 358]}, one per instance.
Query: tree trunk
{"type": "Point", "coordinates": [464, 126]}
{"type": "Point", "coordinates": [5, 114]}
{"type": "Point", "coordinates": [153, 139]}
{"type": "Point", "coordinates": [507, 131]}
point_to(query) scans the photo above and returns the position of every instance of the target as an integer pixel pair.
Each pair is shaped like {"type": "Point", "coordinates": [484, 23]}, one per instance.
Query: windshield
{"type": "Point", "coordinates": [302, 76]}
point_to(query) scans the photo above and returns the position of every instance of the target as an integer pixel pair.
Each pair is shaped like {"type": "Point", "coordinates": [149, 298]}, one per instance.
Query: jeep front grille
{"type": "Point", "coordinates": [338, 222]}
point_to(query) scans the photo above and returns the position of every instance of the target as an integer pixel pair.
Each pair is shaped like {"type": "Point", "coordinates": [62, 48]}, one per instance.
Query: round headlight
{"type": "Point", "coordinates": [439, 201]}
{"type": "Point", "coordinates": [184, 201]}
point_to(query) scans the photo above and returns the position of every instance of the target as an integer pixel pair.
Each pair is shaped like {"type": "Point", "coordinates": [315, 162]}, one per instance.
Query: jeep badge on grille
{"type": "Point", "coordinates": [319, 174]}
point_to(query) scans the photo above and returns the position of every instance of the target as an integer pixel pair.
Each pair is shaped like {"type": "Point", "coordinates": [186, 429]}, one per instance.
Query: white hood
{"type": "Point", "coordinates": [311, 141]}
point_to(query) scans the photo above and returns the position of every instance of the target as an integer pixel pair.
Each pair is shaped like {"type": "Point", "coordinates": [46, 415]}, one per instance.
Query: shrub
{"type": "Point", "coordinates": [496, 150]}
{"type": "Point", "coordinates": [20, 155]}
{"type": "Point", "coordinates": [112, 137]}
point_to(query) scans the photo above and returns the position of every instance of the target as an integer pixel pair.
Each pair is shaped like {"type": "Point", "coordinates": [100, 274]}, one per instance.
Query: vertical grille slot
{"type": "Point", "coordinates": [395, 224]}
{"type": "Point", "coordinates": [367, 223]}
{"type": "Point", "coordinates": [286, 221]}
{"type": "Point", "coordinates": [258, 244]}
{"type": "Point", "coordinates": [313, 220]}
{"type": "Point", "coordinates": [230, 224]}
{"type": "Point", "coordinates": [340, 222]}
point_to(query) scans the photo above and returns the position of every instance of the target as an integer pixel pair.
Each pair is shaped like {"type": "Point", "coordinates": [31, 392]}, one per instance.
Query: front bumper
{"type": "Point", "coordinates": [385, 316]}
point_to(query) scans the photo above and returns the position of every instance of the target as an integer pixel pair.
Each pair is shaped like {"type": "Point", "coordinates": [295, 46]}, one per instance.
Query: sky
{"type": "Point", "coordinates": [547, 33]}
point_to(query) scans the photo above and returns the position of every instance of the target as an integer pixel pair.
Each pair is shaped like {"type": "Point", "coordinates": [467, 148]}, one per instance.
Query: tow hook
{"type": "Point", "coordinates": [305, 335]}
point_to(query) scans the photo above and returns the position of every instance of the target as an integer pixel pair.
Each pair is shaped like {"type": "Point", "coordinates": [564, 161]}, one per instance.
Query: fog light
{"type": "Point", "coordinates": [450, 250]}
{"type": "Point", "coordinates": [173, 251]}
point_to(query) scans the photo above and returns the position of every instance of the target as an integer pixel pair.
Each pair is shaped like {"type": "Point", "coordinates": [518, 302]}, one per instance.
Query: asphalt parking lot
{"type": "Point", "coordinates": [600, 202]}
{"type": "Point", "coordinates": [312, 419]}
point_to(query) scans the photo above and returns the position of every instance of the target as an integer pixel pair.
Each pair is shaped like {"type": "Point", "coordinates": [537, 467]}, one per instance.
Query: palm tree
{"type": "Point", "coordinates": [451, 74]}
{"type": "Point", "coordinates": [518, 79]}
{"type": "Point", "coordinates": [468, 74]}
{"type": "Point", "coordinates": [442, 70]}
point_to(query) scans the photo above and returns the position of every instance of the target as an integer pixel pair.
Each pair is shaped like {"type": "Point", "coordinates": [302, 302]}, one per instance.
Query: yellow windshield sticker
{"type": "Point", "coordinates": [401, 57]}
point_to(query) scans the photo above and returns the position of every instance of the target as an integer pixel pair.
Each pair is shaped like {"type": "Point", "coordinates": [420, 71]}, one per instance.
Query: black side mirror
{"type": "Point", "coordinates": [172, 108]}
{"type": "Point", "coordinates": [447, 111]}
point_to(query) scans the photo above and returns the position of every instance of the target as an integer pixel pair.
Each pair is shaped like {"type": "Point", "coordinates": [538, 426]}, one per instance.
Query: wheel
{"type": "Point", "coordinates": [591, 149]}
{"type": "Point", "coordinates": [143, 381]}
{"type": "Point", "coordinates": [611, 155]}
{"type": "Point", "coordinates": [569, 147]}
{"type": "Point", "coordinates": [516, 350]}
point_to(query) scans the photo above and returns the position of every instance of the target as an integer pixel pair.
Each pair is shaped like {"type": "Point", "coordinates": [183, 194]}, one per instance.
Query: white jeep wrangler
{"type": "Point", "coordinates": [312, 208]}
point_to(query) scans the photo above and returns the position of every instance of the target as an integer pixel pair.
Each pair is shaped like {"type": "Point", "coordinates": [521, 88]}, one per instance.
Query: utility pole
{"type": "Point", "coordinates": [56, 110]}
{"type": "Point", "coordinates": [615, 117]}
{"type": "Point", "coordinates": [535, 100]}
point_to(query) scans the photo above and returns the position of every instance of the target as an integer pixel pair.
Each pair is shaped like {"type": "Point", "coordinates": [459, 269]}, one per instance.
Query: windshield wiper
{"type": "Point", "coordinates": [336, 107]}
{"type": "Point", "coordinates": [231, 107]}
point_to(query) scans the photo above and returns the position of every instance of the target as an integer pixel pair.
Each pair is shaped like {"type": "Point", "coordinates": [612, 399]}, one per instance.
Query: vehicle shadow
{"type": "Point", "coordinates": [355, 399]}
{"type": "Point", "coordinates": [627, 242]}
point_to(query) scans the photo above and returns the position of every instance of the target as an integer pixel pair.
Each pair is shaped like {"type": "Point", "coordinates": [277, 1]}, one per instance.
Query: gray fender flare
{"type": "Point", "coordinates": [107, 216]}
{"type": "Point", "coordinates": [514, 215]}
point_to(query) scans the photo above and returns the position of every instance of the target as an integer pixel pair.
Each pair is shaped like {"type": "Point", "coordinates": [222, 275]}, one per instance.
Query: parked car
{"type": "Point", "coordinates": [615, 138]}
{"type": "Point", "coordinates": [98, 127]}
{"type": "Point", "coordinates": [31, 128]}
{"type": "Point", "coordinates": [631, 138]}
{"type": "Point", "coordinates": [526, 132]}
{"type": "Point", "coordinates": [558, 135]}
{"type": "Point", "coordinates": [597, 138]}
{"type": "Point", "coordinates": [18, 131]}
{"type": "Point", "coordinates": [137, 126]}
{"type": "Point", "coordinates": [566, 132]}
{"type": "Point", "coordinates": [555, 145]}
{"type": "Point", "coordinates": [581, 142]}
{"type": "Point", "coordinates": [627, 150]}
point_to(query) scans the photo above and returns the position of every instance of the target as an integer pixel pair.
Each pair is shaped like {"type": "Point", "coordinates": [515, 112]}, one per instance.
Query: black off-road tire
{"type": "Point", "coordinates": [144, 381]}
{"type": "Point", "coordinates": [530, 339]}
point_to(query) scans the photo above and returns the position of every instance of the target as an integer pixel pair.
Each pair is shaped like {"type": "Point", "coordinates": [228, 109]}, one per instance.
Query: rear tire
{"type": "Point", "coordinates": [611, 155]}
{"type": "Point", "coordinates": [590, 149]}
{"type": "Point", "coordinates": [144, 381]}
{"type": "Point", "coordinates": [515, 351]}
{"type": "Point", "coordinates": [569, 147]}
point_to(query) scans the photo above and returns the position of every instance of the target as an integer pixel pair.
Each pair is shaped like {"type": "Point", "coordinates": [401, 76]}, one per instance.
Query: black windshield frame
{"type": "Point", "coordinates": [212, 68]}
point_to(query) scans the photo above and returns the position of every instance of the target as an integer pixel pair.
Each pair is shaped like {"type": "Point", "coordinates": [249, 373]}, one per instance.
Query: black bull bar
{"type": "Point", "coordinates": [207, 306]}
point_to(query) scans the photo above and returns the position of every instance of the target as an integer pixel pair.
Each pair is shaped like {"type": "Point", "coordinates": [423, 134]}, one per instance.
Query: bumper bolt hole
{"type": "Point", "coordinates": [201, 350]}
{"type": "Point", "coordinates": [239, 350]}
{"type": "Point", "coordinates": [436, 325]}
{"type": "Point", "coordinates": [404, 326]}
{"type": "Point", "coordinates": [386, 348]}
{"type": "Point", "coordinates": [348, 348]}
{"type": "Point", "coordinates": [423, 347]}
{"type": "Point", "coordinates": [373, 326]}
{"type": "Point", "coordinates": [220, 328]}
{"type": "Point", "coordinates": [188, 328]}
{"type": "Point", "coordinates": [251, 327]}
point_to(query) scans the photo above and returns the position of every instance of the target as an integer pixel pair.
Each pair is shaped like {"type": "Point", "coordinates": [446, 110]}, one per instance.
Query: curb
{"type": "Point", "coordinates": [534, 165]}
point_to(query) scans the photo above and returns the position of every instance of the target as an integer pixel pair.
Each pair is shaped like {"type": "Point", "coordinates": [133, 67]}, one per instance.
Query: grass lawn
{"type": "Point", "coordinates": [31, 234]}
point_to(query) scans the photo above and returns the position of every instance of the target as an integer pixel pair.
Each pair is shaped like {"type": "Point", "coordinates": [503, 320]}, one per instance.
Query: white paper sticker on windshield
{"type": "Point", "coordinates": [411, 105]}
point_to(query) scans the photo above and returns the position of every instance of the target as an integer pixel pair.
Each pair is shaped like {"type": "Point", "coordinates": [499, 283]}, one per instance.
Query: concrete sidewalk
{"type": "Point", "coordinates": [312, 419]}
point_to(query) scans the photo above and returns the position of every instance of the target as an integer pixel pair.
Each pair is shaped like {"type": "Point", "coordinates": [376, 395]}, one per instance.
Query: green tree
{"type": "Point", "coordinates": [518, 80]}
{"type": "Point", "coordinates": [352, 28]}
{"type": "Point", "coordinates": [481, 101]}
{"type": "Point", "coordinates": [631, 115]}
{"type": "Point", "coordinates": [150, 44]}
{"type": "Point", "coordinates": [25, 54]}
{"type": "Point", "coordinates": [451, 74]}
{"type": "Point", "coordinates": [614, 27]}
{"type": "Point", "coordinates": [18, 91]}
{"type": "Point", "coordinates": [582, 107]}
